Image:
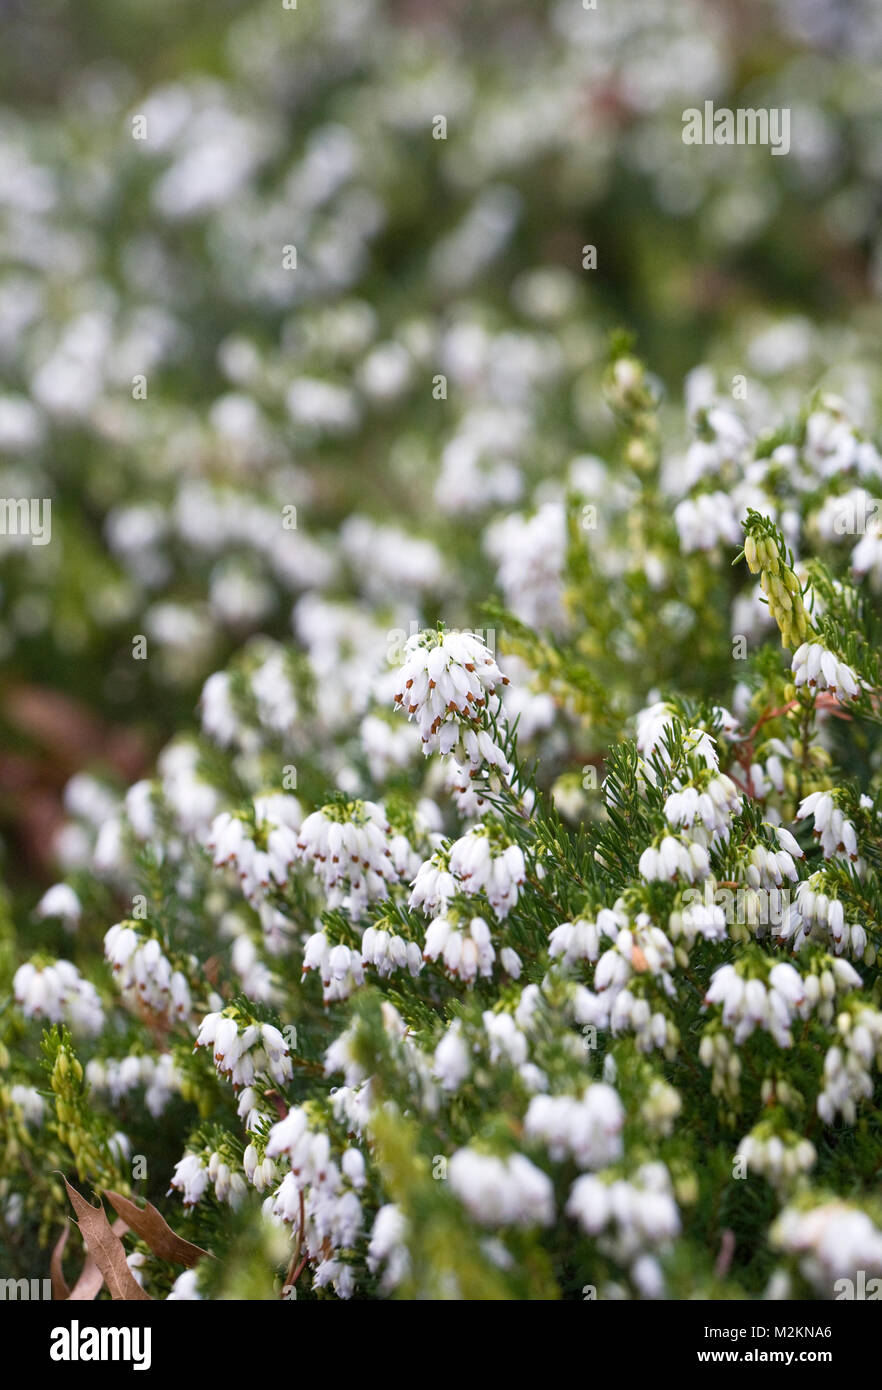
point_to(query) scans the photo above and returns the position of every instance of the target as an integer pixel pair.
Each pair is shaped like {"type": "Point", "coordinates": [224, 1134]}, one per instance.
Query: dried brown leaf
{"type": "Point", "coordinates": [60, 1287]}
{"type": "Point", "coordinates": [88, 1285]}
{"type": "Point", "coordinates": [151, 1226]}
{"type": "Point", "coordinates": [105, 1248]}
{"type": "Point", "coordinates": [91, 1280]}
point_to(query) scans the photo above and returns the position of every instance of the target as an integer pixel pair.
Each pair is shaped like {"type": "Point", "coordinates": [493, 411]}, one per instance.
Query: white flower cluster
{"type": "Point", "coordinates": [706, 520]}
{"type": "Point", "coordinates": [119, 1076]}
{"type": "Point", "coordinates": [452, 1062]}
{"type": "Point", "coordinates": [60, 901]}
{"type": "Point", "coordinates": [453, 1057]}
{"type": "Point", "coordinates": [146, 976]}
{"type": "Point", "coordinates": [386, 746]}
{"type": "Point", "coordinates": [780, 1158]}
{"type": "Point", "coordinates": [652, 1028]}
{"type": "Point", "coordinates": [387, 1249]}
{"type": "Point", "coordinates": [829, 1241]}
{"type": "Point", "coordinates": [30, 1103]}
{"type": "Point", "coordinates": [190, 1177]}
{"type": "Point", "coordinates": [633, 1214]}
{"type": "Point", "coordinates": [753, 1003]}
{"type": "Point", "coordinates": [817, 917]}
{"type": "Point", "coordinates": [837, 835]}
{"type": "Point", "coordinates": [655, 719]}
{"type": "Point", "coordinates": [349, 849]}
{"type": "Point", "coordinates": [446, 683]}
{"type": "Point", "coordinates": [318, 1197]}
{"type": "Point", "coordinates": [481, 861]}
{"type": "Point", "coordinates": [340, 968]}
{"type": "Point", "coordinates": [262, 853]}
{"type": "Point", "coordinates": [257, 1050]}
{"type": "Point", "coordinates": [261, 1173]}
{"type": "Point", "coordinates": [531, 554]}
{"type": "Point", "coordinates": [699, 919]}
{"type": "Point", "coordinates": [185, 1288]}
{"type": "Point", "coordinates": [866, 558]}
{"type": "Point", "coordinates": [387, 952]}
{"type": "Point", "coordinates": [507, 1041]}
{"type": "Point", "coordinates": [768, 868]}
{"type": "Point", "coordinates": [661, 1107]}
{"type": "Point", "coordinates": [675, 858]}
{"type": "Point", "coordinates": [833, 446]}
{"type": "Point", "coordinates": [193, 1175]}
{"type": "Point", "coordinates": [465, 954]}
{"type": "Point", "coordinates": [640, 949]}
{"type": "Point", "coordinates": [58, 993]}
{"type": "Point", "coordinates": [813, 665]}
{"type": "Point", "coordinates": [847, 1078]}
{"type": "Point", "coordinates": [580, 939]}
{"type": "Point", "coordinates": [717, 1052]}
{"type": "Point", "coordinates": [587, 1129]}
{"type": "Point", "coordinates": [713, 807]}
{"type": "Point", "coordinates": [497, 1191]}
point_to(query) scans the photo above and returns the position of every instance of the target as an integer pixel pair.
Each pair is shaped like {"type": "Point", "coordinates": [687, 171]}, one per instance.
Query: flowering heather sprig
{"type": "Point", "coordinates": [446, 684]}
{"type": "Point", "coordinates": [829, 1241]}
{"type": "Point", "coordinates": [849, 1062]}
{"type": "Point", "coordinates": [485, 861]}
{"type": "Point", "coordinates": [387, 952]}
{"type": "Point", "coordinates": [501, 1191]}
{"type": "Point", "coordinates": [634, 1214]}
{"type": "Point", "coordinates": [146, 976]}
{"type": "Point", "coordinates": [466, 951]}
{"type": "Point", "coordinates": [341, 969]}
{"type": "Point", "coordinates": [118, 1077]}
{"type": "Point", "coordinates": [673, 858]}
{"type": "Point", "coordinates": [318, 1197]}
{"type": "Point", "coordinates": [263, 850]}
{"type": "Point", "coordinates": [243, 1051]}
{"type": "Point", "coordinates": [587, 1130]}
{"type": "Point", "coordinates": [349, 848]}
{"type": "Point", "coordinates": [57, 992]}
{"type": "Point", "coordinates": [836, 834]}
{"type": "Point", "coordinates": [816, 667]}
{"type": "Point", "coordinates": [711, 804]}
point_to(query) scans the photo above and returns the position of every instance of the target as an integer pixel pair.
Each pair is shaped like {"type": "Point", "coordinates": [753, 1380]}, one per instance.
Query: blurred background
{"type": "Point", "coordinates": [287, 293]}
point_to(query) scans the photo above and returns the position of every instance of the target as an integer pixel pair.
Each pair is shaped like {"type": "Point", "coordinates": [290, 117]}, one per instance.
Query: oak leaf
{"type": "Point", "coordinates": [152, 1227]}
{"type": "Point", "coordinates": [105, 1248]}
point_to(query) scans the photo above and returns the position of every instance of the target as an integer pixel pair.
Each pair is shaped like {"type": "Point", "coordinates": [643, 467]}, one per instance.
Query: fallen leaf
{"type": "Point", "coordinates": [60, 1287]}
{"type": "Point", "coordinates": [151, 1226]}
{"type": "Point", "coordinates": [91, 1280]}
{"type": "Point", "coordinates": [88, 1285]}
{"type": "Point", "coordinates": [106, 1249]}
